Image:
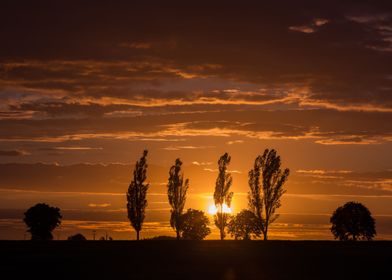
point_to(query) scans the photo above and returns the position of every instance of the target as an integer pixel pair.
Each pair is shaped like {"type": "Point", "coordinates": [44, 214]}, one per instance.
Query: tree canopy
{"type": "Point", "coordinates": [266, 181]}
{"type": "Point", "coordinates": [353, 221]}
{"type": "Point", "coordinates": [42, 219]}
{"type": "Point", "coordinates": [244, 225]}
{"type": "Point", "coordinates": [222, 194]}
{"type": "Point", "coordinates": [137, 193]}
{"type": "Point", "coordinates": [194, 225]}
{"type": "Point", "coordinates": [77, 237]}
{"type": "Point", "coordinates": [176, 192]}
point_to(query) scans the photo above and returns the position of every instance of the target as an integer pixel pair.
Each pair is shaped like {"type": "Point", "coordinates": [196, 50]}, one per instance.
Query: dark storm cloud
{"type": "Point", "coordinates": [123, 49]}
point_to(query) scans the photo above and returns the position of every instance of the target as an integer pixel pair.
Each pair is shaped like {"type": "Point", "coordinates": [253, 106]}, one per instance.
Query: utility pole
{"type": "Point", "coordinates": [94, 231]}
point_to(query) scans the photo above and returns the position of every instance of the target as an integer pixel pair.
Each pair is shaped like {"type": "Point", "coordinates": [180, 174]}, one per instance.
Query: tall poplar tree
{"type": "Point", "coordinates": [266, 181]}
{"type": "Point", "coordinates": [222, 194]}
{"type": "Point", "coordinates": [176, 192]}
{"type": "Point", "coordinates": [136, 195]}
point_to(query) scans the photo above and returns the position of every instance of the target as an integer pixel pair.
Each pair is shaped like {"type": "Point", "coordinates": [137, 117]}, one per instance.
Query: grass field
{"type": "Point", "coordinates": [195, 260]}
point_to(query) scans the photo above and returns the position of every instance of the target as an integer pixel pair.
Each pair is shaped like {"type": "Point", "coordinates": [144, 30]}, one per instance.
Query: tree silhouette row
{"type": "Point", "coordinates": [266, 181]}
{"type": "Point", "coordinates": [352, 221]}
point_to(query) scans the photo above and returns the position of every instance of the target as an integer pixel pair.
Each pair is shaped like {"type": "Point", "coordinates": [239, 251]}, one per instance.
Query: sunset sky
{"type": "Point", "coordinates": [86, 86]}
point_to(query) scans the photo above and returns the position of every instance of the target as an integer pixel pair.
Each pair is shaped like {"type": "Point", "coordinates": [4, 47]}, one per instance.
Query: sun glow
{"type": "Point", "coordinates": [212, 209]}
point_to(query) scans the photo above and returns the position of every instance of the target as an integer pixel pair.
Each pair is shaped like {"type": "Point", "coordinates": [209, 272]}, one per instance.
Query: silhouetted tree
{"type": "Point", "coordinates": [136, 195]}
{"type": "Point", "coordinates": [222, 194]}
{"type": "Point", "coordinates": [266, 181]}
{"type": "Point", "coordinates": [77, 237]}
{"type": "Point", "coordinates": [176, 192]}
{"type": "Point", "coordinates": [244, 225]}
{"type": "Point", "coordinates": [194, 225]}
{"type": "Point", "coordinates": [41, 220]}
{"type": "Point", "coordinates": [353, 221]}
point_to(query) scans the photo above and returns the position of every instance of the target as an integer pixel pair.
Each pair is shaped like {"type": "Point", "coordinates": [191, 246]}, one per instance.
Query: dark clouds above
{"type": "Point", "coordinates": [135, 51]}
{"type": "Point", "coordinates": [76, 74]}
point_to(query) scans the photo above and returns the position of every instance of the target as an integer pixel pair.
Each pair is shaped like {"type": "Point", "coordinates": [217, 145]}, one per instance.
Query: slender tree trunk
{"type": "Point", "coordinates": [178, 234]}
{"type": "Point", "coordinates": [247, 236]}
{"type": "Point", "coordinates": [137, 235]}
{"type": "Point", "coordinates": [221, 228]}
{"type": "Point", "coordinates": [265, 232]}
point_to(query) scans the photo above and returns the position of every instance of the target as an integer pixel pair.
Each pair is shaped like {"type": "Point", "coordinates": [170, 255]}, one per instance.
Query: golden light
{"type": "Point", "coordinates": [226, 209]}
{"type": "Point", "coordinates": [212, 210]}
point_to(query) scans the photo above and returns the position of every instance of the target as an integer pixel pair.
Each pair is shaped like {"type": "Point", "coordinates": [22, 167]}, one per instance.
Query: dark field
{"type": "Point", "coordinates": [195, 260]}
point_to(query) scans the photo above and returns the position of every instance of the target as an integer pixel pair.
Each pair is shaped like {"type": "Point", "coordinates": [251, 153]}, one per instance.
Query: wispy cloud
{"type": "Point", "coordinates": [350, 140]}
{"type": "Point", "coordinates": [77, 148]}
{"type": "Point", "coordinates": [321, 171]}
{"type": "Point", "coordinates": [303, 29]}
{"type": "Point", "coordinates": [201, 163]}
{"type": "Point", "coordinates": [235, 142]}
{"type": "Point", "coordinates": [311, 27]}
{"type": "Point", "coordinates": [176, 148]}
{"type": "Point", "coordinates": [216, 170]}
{"type": "Point", "coordinates": [13, 153]}
{"type": "Point", "coordinates": [99, 205]}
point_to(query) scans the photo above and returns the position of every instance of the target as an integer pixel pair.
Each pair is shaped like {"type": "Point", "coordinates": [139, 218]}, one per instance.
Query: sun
{"type": "Point", "coordinates": [212, 209]}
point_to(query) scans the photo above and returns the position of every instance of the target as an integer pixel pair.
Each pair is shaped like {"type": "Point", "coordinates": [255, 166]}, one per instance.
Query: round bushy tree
{"type": "Point", "coordinates": [194, 225]}
{"type": "Point", "coordinates": [41, 220]}
{"type": "Point", "coordinates": [353, 221]}
{"type": "Point", "coordinates": [77, 237]}
{"type": "Point", "coordinates": [244, 225]}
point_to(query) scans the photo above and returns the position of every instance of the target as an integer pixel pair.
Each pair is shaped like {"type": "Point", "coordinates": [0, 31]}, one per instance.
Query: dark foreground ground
{"type": "Point", "coordinates": [195, 260]}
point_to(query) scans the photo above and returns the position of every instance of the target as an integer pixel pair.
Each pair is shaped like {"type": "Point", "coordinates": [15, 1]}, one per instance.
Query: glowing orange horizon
{"type": "Point", "coordinates": [212, 209]}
